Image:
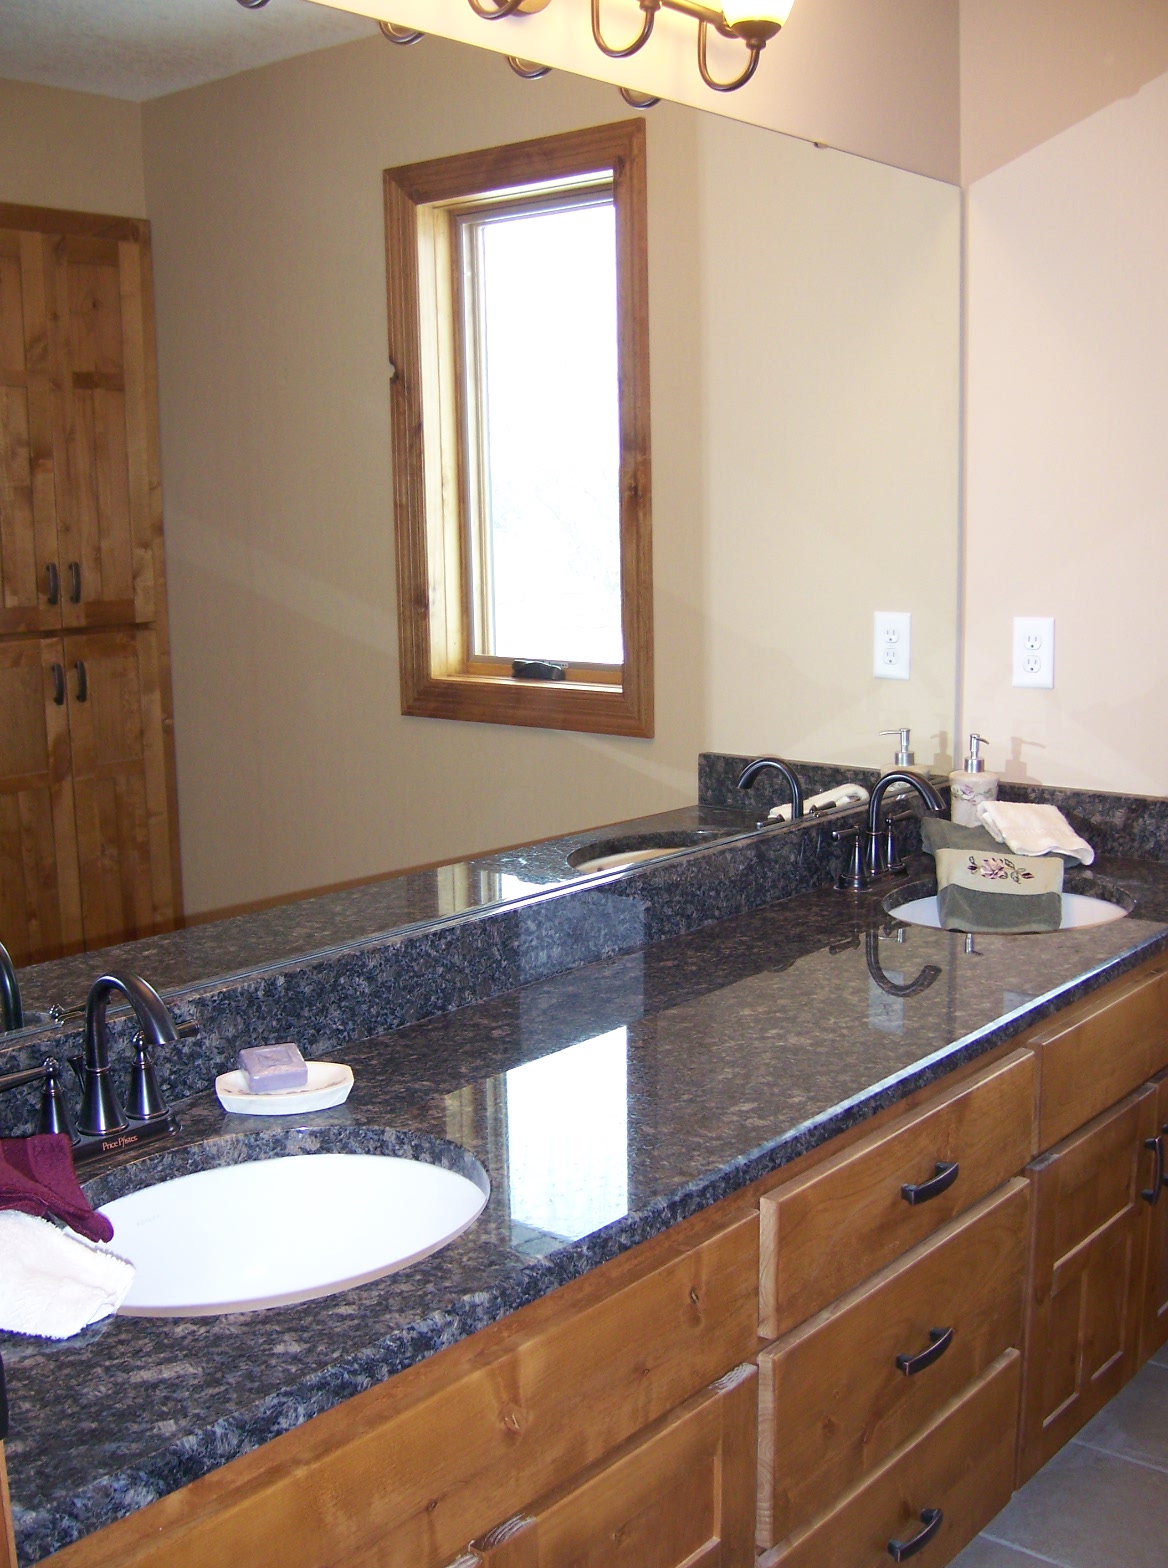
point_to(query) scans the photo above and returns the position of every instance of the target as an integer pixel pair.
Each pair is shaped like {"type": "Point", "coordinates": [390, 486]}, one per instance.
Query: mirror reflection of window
{"type": "Point", "coordinates": [567, 1139]}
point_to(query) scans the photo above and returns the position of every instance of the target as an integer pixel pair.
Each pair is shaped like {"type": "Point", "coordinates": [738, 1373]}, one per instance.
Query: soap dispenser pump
{"type": "Point", "coordinates": [904, 756]}
{"type": "Point", "coordinates": [970, 785]}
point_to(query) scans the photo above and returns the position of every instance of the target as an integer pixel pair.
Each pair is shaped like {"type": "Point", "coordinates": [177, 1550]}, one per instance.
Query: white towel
{"type": "Point", "coordinates": [55, 1283]}
{"type": "Point", "coordinates": [843, 795]}
{"type": "Point", "coordinates": [1033, 830]}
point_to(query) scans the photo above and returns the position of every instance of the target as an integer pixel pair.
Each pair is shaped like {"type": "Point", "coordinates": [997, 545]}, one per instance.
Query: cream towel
{"type": "Point", "coordinates": [1033, 830]}
{"type": "Point", "coordinates": [54, 1283]}
{"type": "Point", "coordinates": [843, 795]}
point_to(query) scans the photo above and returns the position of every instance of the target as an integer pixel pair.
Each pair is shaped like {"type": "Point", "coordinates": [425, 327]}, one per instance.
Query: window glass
{"type": "Point", "coordinates": [542, 366]}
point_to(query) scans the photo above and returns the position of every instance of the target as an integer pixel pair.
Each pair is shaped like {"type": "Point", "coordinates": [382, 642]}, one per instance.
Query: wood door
{"type": "Point", "coordinates": [30, 597]}
{"type": "Point", "coordinates": [1154, 1331]}
{"type": "Point", "coordinates": [125, 831]}
{"type": "Point", "coordinates": [678, 1496]}
{"type": "Point", "coordinates": [40, 896]}
{"type": "Point", "coordinates": [1086, 1275]}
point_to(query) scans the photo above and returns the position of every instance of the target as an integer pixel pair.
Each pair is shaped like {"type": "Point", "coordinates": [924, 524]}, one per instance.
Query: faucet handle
{"type": "Point", "coordinates": [852, 876]}
{"type": "Point", "coordinates": [145, 1102]}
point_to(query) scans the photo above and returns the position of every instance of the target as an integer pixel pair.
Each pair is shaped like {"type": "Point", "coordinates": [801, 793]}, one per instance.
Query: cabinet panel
{"type": "Point", "coordinates": [1095, 1053]}
{"type": "Point", "coordinates": [1090, 1239]}
{"type": "Point", "coordinates": [825, 1232]}
{"type": "Point", "coordinates": [40, 898]}
{"type": "Point", "coordinates": [834, 1401]}
{"type": "Point", "coordinates": [1154, 1331]}
{"type": "Point", "coordinates": [961, 1464]}
{"type": "Point", "coordinates": [680, 1496]}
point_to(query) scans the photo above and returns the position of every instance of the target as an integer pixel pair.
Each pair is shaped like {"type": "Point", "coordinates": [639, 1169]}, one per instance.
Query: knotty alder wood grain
{"type": "Point", "coordinates": [833, 1402]}
{"type": "Point", "coordinates": [824, 1232]}
{"type": "Point", "coordinates": [439, 679]}
{"type": "Point", "coordinates": [962, 1463]}
{"type": "Point", "coordinates": [1087, 1275]}
{"type": "Point", "coordinates": [1095, 1053]}
{"type": "Point", "coordinates": [676, 1496]}
{"type": "Point", "coordinates": [405, 1475]}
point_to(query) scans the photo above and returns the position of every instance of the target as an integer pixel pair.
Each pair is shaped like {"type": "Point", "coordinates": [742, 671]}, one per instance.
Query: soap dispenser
{"type": "Point", "coordinates": [970, 785]}
{"type": "Point", "coordinates": [905, 757]}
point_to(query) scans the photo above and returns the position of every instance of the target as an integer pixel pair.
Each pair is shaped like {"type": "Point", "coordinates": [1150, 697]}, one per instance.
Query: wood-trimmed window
{"type": "Point", "coordinates": [443, 674]}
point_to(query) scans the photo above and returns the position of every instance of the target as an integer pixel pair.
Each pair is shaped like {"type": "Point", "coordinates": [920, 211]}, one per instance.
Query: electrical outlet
{"type": "Point", "coordinates": [1034, 650]}
{"type": "Point", "coordinates": [892, 645]}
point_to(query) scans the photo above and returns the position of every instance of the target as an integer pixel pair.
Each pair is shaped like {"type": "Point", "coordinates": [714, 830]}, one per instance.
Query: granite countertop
{"type": "Point", "coordinates": [606, 1104]}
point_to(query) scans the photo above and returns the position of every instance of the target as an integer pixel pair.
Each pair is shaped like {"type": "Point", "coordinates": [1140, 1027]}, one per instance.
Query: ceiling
{"type": "Point", "coordinates": [141, 49]}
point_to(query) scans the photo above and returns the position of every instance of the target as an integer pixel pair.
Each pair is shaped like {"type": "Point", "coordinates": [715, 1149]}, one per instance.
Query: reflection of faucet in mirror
{"type": "Point", "coordinates": [923, 981]}
{"type": "Point", "coordinates": [11, 1011]}
{"type": "Point", "coordinates": [760, 765]}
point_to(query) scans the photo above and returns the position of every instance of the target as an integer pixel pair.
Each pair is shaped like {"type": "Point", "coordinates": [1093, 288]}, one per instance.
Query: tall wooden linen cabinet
{"type": "Point", "coordinates": [88, 804]}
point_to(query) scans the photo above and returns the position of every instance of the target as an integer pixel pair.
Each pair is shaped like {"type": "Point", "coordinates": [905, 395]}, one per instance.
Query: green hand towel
{"type": "Point", "coordinates": [979, 890]}
{"type": "Point", "coordinates": [939, 833]}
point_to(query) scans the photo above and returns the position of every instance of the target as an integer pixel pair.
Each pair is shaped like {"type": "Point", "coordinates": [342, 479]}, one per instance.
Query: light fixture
{"type": "Point", "coordinates": [753, 22]}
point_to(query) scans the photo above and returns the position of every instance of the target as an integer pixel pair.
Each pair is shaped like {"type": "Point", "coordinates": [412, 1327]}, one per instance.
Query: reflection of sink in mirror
{"type": "Point", "coordinates": [630, 850]}
{"type": "Point", "coordinates": [237, 1238]}
{"type": "Point", "coordinates": [1078, 910]}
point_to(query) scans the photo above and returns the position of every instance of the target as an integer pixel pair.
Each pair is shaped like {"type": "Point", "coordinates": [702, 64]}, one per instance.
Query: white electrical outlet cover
{"type": "Point", "coordinates": [891, 645]}
{"type": "Point", "coordinates": [1034, 650]}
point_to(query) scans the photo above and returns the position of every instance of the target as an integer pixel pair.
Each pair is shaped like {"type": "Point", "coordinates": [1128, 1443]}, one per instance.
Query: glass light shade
{"type": "Point", "coordinates": [776, 11]}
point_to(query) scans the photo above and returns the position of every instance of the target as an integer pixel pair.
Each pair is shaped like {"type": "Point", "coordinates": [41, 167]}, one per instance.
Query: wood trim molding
{"type": "Point", "coordinates": [53, 220]}
{"type": "Point", "coordinates": [436, 681]}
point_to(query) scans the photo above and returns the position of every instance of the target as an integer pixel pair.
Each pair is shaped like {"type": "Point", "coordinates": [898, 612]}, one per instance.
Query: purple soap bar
{"type": "Point", "coordinates": [267, 1069]}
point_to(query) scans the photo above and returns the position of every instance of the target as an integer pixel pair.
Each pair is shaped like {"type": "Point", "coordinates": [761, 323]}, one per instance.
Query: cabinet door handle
{"type": "Point", "coordinates": [58, 675]}
{"type": "Point", "coordinates": [1155, 1147]}
{"type": "Point", "coordinates": [931, 1518]}
{"type": "Point", "coordinates": [82, 681]}
{"type": "Point", "coordinates": [75, 582]}
{"type": "Point", "coordinates": [942, 1178]}
{"type": "Point", "coordinates": [52, 583]}
{"type": "Point", "coordinates": [939, 1341]}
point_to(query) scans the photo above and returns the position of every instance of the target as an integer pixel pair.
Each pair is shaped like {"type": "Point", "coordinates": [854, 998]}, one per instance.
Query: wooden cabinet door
{"type": "Point", "coordinates": [1154, 1331]}
{"type": "Point", "coordinates": [101, 354]}
{"type": "Point", "coordinates": [678, 1496]}
{"type": "Point", "coordinates": [124, 831]}
{"type": "Point", "coordinates": [1087, 1273]}
{"type": "Point", "coordinates": [40, 899]}
{"type": "Point", "coordinates": [30, 596]}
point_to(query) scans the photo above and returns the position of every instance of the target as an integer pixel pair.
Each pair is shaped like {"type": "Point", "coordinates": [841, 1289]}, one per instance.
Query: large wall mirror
{"type": "Point", "coordinates": [804, 359]}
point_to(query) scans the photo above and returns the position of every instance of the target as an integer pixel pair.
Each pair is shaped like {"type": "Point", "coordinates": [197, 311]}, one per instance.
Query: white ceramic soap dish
{"type": "Point", "coordinates": [328, 1085]}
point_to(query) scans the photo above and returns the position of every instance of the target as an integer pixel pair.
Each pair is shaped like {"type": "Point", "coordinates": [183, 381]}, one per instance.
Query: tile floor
{"type": "Point", "coordinates": [1102, 1501]}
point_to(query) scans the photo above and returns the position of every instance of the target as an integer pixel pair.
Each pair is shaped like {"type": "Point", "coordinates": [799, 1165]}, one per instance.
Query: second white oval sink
{"type": "Point", "coordinates": [237, 1238]}
{"type": "Point", "coordinates": [1078, 910]}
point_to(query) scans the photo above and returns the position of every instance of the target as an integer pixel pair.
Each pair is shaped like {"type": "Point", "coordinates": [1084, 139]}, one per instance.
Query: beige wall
{"type": "Point", "coordinates": [73, 150]}
{"type": "Point", "coordinates": [1067, 478]}
{"type": "Point", "coordinates": [295, 765]}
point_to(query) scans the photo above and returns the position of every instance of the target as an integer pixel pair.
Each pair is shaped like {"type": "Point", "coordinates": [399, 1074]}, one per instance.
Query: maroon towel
{"type": "Point", "coordinates": [37, 1177]}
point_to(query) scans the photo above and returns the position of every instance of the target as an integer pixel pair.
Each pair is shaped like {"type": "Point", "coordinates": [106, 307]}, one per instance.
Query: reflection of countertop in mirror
{"type": "Point", "coordinates": [220, 949]}
{"type": "Point", "coordinates": [606, 1103]}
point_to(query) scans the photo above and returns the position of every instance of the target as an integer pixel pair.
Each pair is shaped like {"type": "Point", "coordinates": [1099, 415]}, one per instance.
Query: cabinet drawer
{"type": "Point", "coordinates": [834, 1403]}
{"type": "Point", "coordinates": [1154, 1330]}
{"type": "Point", "coordinates": [681, 1494]}
{"type": "Point", "coordinates": [1092, 1055]}
{"type": "Point", "coordinates": [403, 1475]}
{"type": "Point", "coordinates": [962, 1464]}
{"type": "Point", "coordinates": [826, 1231]}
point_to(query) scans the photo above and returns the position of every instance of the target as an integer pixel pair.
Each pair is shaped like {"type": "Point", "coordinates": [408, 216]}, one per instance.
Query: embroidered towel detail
{"type": "Point", "coordinates": [54, 1284]}
{"type": "Point", "coordinates": [1034, 830]}
{"type": "Point", "coordinates": [979, 890]}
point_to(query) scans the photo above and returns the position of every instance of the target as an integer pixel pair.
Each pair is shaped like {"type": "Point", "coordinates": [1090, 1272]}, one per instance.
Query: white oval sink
{"type": "Point", "coordinates": [237, 1238]}
{"type": "Point", "coordinates": [1078, 910]}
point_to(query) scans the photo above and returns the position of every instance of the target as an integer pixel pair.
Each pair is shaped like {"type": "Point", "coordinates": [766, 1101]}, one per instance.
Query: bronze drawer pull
{"type": "Point", "coordinates": [943, 1177]}
{"type": "Point", "coordinates": [931, 1518]}
{"type": "Point", "coordinates": [58, 675]}
{"type": "Point", "coordinates": [52, 583]}
{"type": "Point", "coordinates": [1155, 1146]}
{"type": "Point", "coordinates": [939, 1341]}
{"type": "Point", "coordinates": [82, 681]}
{"type": "Point", "coordinates": [74, 582]}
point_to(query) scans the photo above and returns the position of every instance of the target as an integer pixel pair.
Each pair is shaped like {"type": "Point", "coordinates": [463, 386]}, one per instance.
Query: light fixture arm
{"type": "Point", "coordinates": [755, 48]}
{"type": "Point", "coordinates": [493, 13]}
{"type": "Point", "coordinates": [650, 9]}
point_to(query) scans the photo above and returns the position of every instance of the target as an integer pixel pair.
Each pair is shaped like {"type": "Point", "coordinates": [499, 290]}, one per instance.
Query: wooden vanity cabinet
{"type": "Point", "coordinates": [1154, 1325]}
